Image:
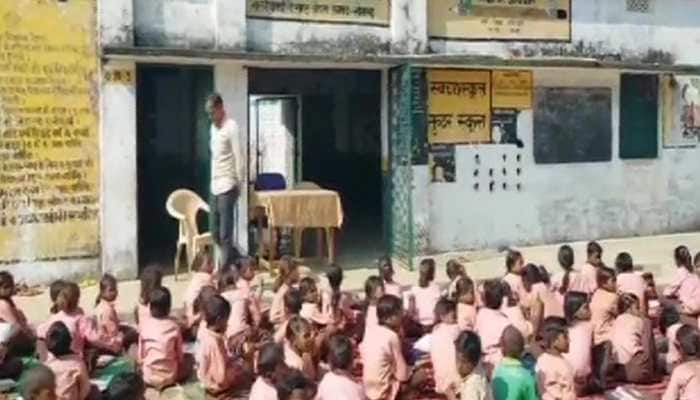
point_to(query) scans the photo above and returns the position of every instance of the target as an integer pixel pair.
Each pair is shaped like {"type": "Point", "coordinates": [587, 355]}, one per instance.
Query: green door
{"type": "Point", "coordinates": [639, 116]}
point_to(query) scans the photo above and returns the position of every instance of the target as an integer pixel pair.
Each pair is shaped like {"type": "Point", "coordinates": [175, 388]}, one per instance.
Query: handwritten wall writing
{"type": "Point", "coordinates": [500, 19]}
{"type": "Point", "coordinates": [512, 89]}
{"type": "Point", "coordinates": [372, 12]}
{"type": "Point", "coordinates": [459, 104]}
{"type": "Point", "coordinates": [49, 146]}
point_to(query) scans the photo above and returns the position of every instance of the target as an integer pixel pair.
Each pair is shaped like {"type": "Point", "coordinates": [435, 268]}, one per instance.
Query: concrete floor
{"type": "Point", "coordinates": [653, 254]}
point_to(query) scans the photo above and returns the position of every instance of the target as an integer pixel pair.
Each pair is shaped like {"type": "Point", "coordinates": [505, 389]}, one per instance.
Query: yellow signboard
{"type": "Point", "coordinates": [368, 12]}
{"type": "Point", "coordinates": [500, 19]}
{"type": "Point", "coordinates": [459, 106]}
{"type": "Point", "coordinates": [49, 144]}
{"type": "Point", "coordinates": [512, 89]}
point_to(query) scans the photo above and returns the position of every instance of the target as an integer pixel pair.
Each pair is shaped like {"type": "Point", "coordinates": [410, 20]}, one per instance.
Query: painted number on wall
{"type": "Point", "coordinates": [122, 76]}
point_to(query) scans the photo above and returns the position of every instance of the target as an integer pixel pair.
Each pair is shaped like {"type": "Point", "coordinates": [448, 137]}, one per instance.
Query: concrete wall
{"type": "Point", "coordinates": [559, 202]}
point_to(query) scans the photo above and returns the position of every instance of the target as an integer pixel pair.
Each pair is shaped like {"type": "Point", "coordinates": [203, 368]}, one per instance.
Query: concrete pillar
{"type": "Point", "coordinates": [231, 81]}
{"type": "Point", "coordinates": [231, 24]}
{"type": "Point", "coordinates": [409, 26]}
{"type": "Point", "coordinates": [116, 22]}
{"type": "Point", "coordinates": [118, 193]}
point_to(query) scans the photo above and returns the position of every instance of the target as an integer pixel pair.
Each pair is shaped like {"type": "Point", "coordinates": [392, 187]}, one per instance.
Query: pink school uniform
{"type": "Point", "coordinates": [686, 287]}
{"type": "Point", "coordinates": [72, 378]}
{"type": "Point", "coordinates": [295, 361]}
{"type": "Point", "coordinates": [371, 320]}
{"type": "Point", "coordinates": [344, 304]}
{"type": "Point", "coordinates": [277, 311]}
{"type": "Point", "coordinates": [626, 337]}
{"type": "Point", "coordinates": [262, 390]}
{"type": "Point", "coordinates": [238, 319]}
{"type": "Point", "coordinates": [631, 282]}
{"type": "Point", "coordinates": [517, 319]}
{"type": "Point", "coordinates": [442, 355]}
{"type": "Point", "coordinates": [684, 383]}
{"type": "Point", "coordinates": [339, 386]}
{"type": "Point", "coordinates": [143, 312]}
{"type": "Point", "coordinates": [393, 289]}
{"type": "Point", "coordinates": [590, 274]}
{"type": "Point", "coordinates": [466, 316]}
{"type": "Point", "coordinates": [577, 282]}
{"type": "Point", "coordinates": [490, 325]}
{"type": "Point", "coordinates": [383, 365]}
{"type": "Point", "coordinates": [160, 351]}
{"type": "Point", "coordinates": [603, 311]}
{"type": "Point", "coordinates": [555, 378]}
{"type": "Point", "coordinates": [81, 330]}
{"type": "Point", "coordinates": [516, 284]}
{"type": "Point", "coordinates": [553, 302]}
{"type": "Point", "coordinates": [199, 280]}
{"type": "Point", "coordinates": [312, 313]}
{"type": "Point", "coordinates": [107, 322]}
{"type": "Point", "coordinates": [580, 345]}
{"type": "Point", "coordinates": [425, 300]}
{"type": "Point", "coordinates": [217, 372]}
{"type": "Point", "coordinates": [673, 357]}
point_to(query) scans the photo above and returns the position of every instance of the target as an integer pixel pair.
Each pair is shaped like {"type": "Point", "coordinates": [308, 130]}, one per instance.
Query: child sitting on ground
{"type": "Point", "coordinates": [466, 304]}
{"type": "Point", "coordinates": [629, 281]}
{"type": "Point", "coordinates": [292, 307]}
{"type": "Point", "coordinates": [515, 312]}
{"type": "Point", "coordinates": [514, 271]}
{"type": "Point", "coordinates": [338, 382]}
{"type": "Point", "coordinates": [270, 370]}
{"type": "Point", "coordinates": [685, 379]}
{"type": "Point", "coordinates": [491, 322]}
{"type": "Point", "coordinates": [21, 342]}
{"type": "Point", "coordinates": [633, 342]}
{"type": "Point", "coordinates": [473, 384]}
{"type": "Point", "coordinates": [568, 279]}
{"type": "Point", "coordinates": [555, 376]}
{"type": "Point", "coordinates": [243, 309]}
{"type": "Point", "coordinates": [424, 296]}
{"type": "Point", "coordinates": [202, 275]}
{"type": "Point", "coordinates": [161, 356]}
{"type": "Point", "coordinates": [455, 271]}
{"type": "Point", "coordinates": [511, 380]}
{"type": "Point", "coordinates": [287, 278]}
{"type": "Point", "coordinates": [685, 286]}
{"type": "Point", "coordinates": [669, 323]}
{"type": "Point", "coordinates": [374, 290]}
{"type": "Point", "coordinates": [589, 270]}
{"type": "Point", "coordinates": [442, 348]}
{"type": "Point", "coordinates": [604, 305]}
{"type": "Point", "coordinates": [386, 272]}
{"type": "Point", "coordinates": [117, 338]}
{"type": "Point", "coordinates": [72, 378]}
{"type": "Point", "coordinates": [10, 366]}
{"type": "Point", "coordinates": [39, 384]}
{"type": "Point", "coordinates": [310, 309]}
{"type": "Point", "coordinates": [336, 304]}
{"type": "Point", "coordinates": [579, 356]}
{"type": "Point", "coordinates": [300, 347]}
{"type": "Point", "coordinates": [151, 279]}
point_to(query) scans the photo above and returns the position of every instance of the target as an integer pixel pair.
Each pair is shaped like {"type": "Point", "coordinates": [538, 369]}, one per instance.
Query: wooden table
{"type": "Point", "coordinates": [299, 210]}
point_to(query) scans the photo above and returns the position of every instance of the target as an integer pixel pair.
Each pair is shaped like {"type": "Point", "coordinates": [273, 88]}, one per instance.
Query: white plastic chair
{"type": "Point", "coordinates": [184, 205]}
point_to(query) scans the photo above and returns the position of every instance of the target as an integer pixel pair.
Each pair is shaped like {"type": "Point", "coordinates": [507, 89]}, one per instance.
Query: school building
{"type": "Point", "coordinates": [443, 124]}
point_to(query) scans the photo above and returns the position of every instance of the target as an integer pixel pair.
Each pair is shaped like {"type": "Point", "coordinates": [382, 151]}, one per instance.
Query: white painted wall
{"type": "Point", "coordinates": [119, 198]}
{"type": "Point", "coordinates": [561, 202]}
{"type": "Point", "coordinates": [116, 22]}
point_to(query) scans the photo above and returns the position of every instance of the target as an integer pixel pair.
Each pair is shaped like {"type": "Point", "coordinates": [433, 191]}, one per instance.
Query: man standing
{"type": "Point", "coordinates": [227, 176]}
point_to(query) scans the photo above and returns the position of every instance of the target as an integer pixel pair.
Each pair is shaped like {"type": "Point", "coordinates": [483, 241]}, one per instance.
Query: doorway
{"type": "Point", "coordinates": [336, 144]}
{"type": "Point", "coordinates": [172, 151]}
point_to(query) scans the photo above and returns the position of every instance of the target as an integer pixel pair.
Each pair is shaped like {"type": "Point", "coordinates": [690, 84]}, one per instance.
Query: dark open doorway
{"type": "Point", "coordinates": [340, 145]}
{"type": "Point", "coordinates": [173, 151]}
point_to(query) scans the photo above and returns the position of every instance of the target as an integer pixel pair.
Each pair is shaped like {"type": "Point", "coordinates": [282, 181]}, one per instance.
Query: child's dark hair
{"type": "Point", "coordinates": [203, 257]}
{"type": "Point", "coordinates": [293, 301]}
{"type": "Point", "coordinates": [58, 339]}
{"type": "Point", "coordinates": [544, 274]}
{"type": "Point", "coordinates": [593, 248]}
{"type": "Point", "coordinates": [463, 286]}
{"type": "Point", "coordinates": [7, 281]}
{"type": "Point", "coordinates": [426, 272]}
{"type": "Point", "coordinates": [371, 285]}
{"type": "Point", "coordinates": [126, 386]}
{"type": "Point", "coordinates": [54, 290]}
{"type": "Point", "coordinates": [307, 285]}
{"type": "Point", "coordinates": [573, 301]}
{"type": "Point", "coordinates": [454, 269]}
{"type": "Point", "coordinates": [383, 262]}
{"type": "Point", "coordinates": [494, 291]}
{"type": "Point", "coordinates": [37, 379]}
{"type": "Point", "coordinates": [683, 258]}
{"type": "Point", "coordinates": [512, 257]}
{"type": "Point", "coordinates": [270, 357]}
{"type": "Point", "coordinates": [107, 281]}
{"type": "Point", "coordinates": [468, 346]}
{"type": "Point", "coordinates": [287, 266]}
{"type": "Point", "coordinates": [228, 279]}
{"type": "Point", "coordinates": [296, 326]}
{"type": "Point", "coordinates": [68, 297]}
{"type": "Point", "coordinates": [531, 276]}
{"type": "Point", "coordinates": [206, 293]}
{"type": "Point", "coordinates": [566, 261]}
{"type": "Point", "coordinates": [551, 330]}
{"type": "Point", "coordinates": [669, 316]}
{"type": "Point", "coordinates": [340, 353]}
{"type": "Point", "coordinates": [696, 260]}
{"type": "Point", "coordinates": [626, 301]}
{"type": "Point", "coordinates": [388, 306]}
{"type": "Point", "coordinates": [335, 278]}
{"type": "Point", "coordinates": [512, 342]}
{"type": "Point", "coordinates": [295, 380]}
{"type": "Point", "coordinates": [603, 275]}
{"type": "Point", "coordinates": [151, 279]}
{"type": "Point", "coordinates": [160, 302]}
{"type": "Point", "coordinates": [443, 308]}
{"type": "Point", "coordinates": [624, 263]}
{"type": "Point", "coordinates": [215, 309]}
{"type": "Point", "coordinates": [689, 341]}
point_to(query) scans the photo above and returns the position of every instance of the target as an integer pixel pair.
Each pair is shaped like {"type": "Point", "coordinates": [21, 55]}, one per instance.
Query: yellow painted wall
{"type": "Point", "coordinates": [49, 143]}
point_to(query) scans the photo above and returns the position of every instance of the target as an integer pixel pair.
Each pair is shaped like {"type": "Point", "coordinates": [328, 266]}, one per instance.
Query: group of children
{"type": "Point", "coordinates": [525, 336]}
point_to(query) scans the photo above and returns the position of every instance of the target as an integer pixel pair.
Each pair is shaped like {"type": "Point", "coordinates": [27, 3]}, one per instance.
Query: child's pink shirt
{"type": "Point", "coordinates": [425, 300]}
{"type": "Point", "coordinates": [296, 361]}
{"type": "Point", "coordinates": [631, 282]}
{"type": "Point", "coordinates": [626, 337]}
{"type": "Point", "coordinates": [13, 315]}
{"type": "Point", "coordinates": [466, 316]}
{"type": "Point", "coordinates": [143, 312]}
{"type": "Point", "coordinates": [555, 378]}
{"type": "Point", "coordinates": [312, 313]}
{"type": "Point", "coordinates": [603, 311]}
{"type": "Point", "coordinates": [344, 304]}
{"type": "Point", "coordinates": [199, 281]}
{"type": "Point", "coordinates": [580, 345]}
{"type": "Point", "coordinates": [442, 355]}
{"type": "Point", "coordinates": [216, 371]}
{"type": "Point", "coordinates": [262, 390]}
{"type": "Point", "coordinates": [686, 287]}
{"type": "Point", "coordinates": [590, 275]}
{"type": "Point", "coordinates": [281, 331]}
{"type": "Point", "coordinates": [490, 325]}
{"type": "Point", "coordinates": [383, 365]}
{"type": "Point", "coordinates": [673, 357]}
{"type": "Point", "coordinates": [552, 302]}
{"type": "Point", "coordinates": [339, 386]}
{"type": "Point", "coordinates": [685, 382]}
{"type": "Point", "coordinates": [516, 284]}
{"type": "Point", "coordinates": [81, 329]}
{"type": "Point", "coordinates": [277, 311]}
{"type": "Point", "coordinates": [160, 351]}
{"type": "Point", "coordinates": [517, 319]}
{"type": "Point", "coordinates": [72, 378]}
{"type": "Point", "coordinates": [393, 289]}
{"type": "Point", "coordinates": [371, 320]}
{"type": "Point", "coordinates": [238, 319]}
{"type": "Point", "coordinates": [108, 325]}
{"type": "Point", "coordinates": [577, 282]}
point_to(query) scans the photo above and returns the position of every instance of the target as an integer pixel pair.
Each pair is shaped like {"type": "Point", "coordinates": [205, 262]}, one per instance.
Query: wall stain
{"type": "Point", "coordinates": [597, 50]}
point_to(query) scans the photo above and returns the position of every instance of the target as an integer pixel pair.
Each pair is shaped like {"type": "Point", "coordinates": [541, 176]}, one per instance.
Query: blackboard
{"type": "Point", "coordinates": [572, 125]}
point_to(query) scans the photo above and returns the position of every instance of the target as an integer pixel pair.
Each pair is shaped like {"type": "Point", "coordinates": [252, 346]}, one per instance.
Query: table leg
{"type": "Point", "coordinates": [260, 238]}
{"type": "Point", "coordinates": [330, 241]}
{"type": "Point", "coordinates": [298, 236]}
{"type": "Point", "coordinates": [319, 242]}
{"type": "Point", "coordinates": [273, 243]}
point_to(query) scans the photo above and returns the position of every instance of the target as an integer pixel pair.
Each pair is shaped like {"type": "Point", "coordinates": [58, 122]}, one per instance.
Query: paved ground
{"type": "Point", "coordinates": [654, 254]}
